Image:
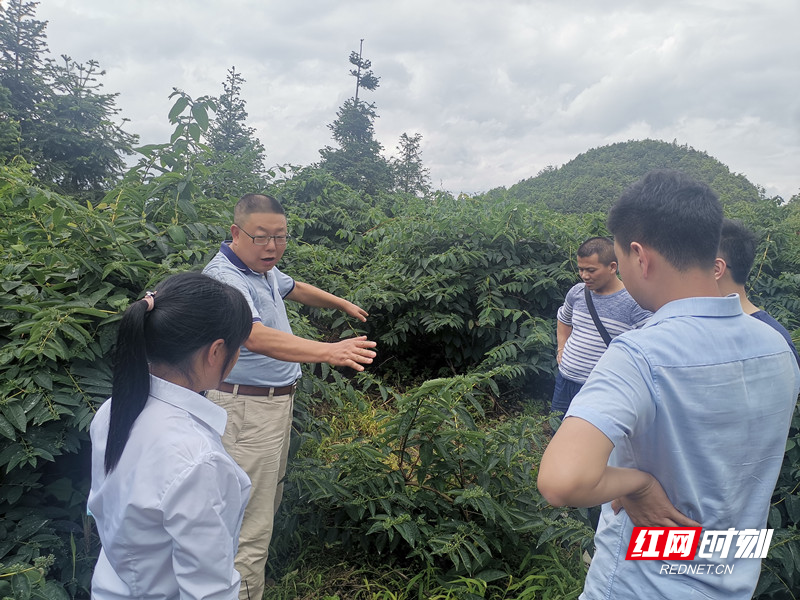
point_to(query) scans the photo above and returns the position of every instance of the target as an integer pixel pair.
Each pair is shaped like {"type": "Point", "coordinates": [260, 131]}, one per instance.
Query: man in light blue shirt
{"type": "Point", "coordinates": [258, 394]}
{"type": "Point", "coordinates": [682, 423]}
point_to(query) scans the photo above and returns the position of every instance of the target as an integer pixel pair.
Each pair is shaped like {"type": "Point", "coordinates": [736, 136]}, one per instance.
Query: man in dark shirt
{"type": "Point", "coordinates": [737, 251]}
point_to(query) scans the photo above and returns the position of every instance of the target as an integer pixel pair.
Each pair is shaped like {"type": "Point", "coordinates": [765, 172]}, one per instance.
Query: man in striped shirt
{"type": "Point", "coordinates": [580, 344]}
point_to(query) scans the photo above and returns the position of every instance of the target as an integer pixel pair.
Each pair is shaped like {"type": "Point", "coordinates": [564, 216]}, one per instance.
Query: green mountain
{"type": "Point", "coordinates": [592, 181]}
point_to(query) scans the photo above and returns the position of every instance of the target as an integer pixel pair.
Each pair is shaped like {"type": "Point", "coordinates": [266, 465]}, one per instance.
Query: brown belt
{"type": "Point", "coordinates": [254, 390]}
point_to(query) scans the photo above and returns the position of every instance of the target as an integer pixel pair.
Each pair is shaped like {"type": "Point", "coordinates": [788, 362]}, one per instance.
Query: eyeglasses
{"type": "Point", "coordinates": [263, 240]}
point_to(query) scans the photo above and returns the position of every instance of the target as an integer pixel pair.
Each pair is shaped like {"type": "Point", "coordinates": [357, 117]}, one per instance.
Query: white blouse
{"type": "Point", "coordinates": [169, 514]}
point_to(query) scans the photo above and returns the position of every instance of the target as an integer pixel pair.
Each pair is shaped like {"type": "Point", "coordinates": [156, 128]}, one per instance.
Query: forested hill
{"type": "Point", "coordinates": [592, 181]}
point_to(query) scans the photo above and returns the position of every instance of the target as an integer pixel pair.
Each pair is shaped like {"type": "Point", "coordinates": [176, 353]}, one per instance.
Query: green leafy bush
{"type": "Point", "coordinates": [780, 572]}
{"type": "Point", "coordinates": [428, 459]}
{"type": "Point", "coordinates": [431, 479]}
{"type": "Point", "coordinates": [67, 272]}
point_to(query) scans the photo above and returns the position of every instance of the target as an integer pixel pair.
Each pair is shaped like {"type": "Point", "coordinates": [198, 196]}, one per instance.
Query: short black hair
{"type": "Point", "coordinates": [737, 247]}
{"type": "Point", "coordinates": [255, 203]}
{"type": "Point", "coordinates": [602, 246]}
{"type": "Point", "coordinates": [677, 216]}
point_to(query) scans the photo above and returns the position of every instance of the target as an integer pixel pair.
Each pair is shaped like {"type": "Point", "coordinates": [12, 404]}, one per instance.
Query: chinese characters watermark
{"type": "Point", "coordinates": [687, 543]}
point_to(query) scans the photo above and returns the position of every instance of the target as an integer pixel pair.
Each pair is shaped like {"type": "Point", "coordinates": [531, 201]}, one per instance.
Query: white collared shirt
{"type": "Point", "coordinates": [169, 514]}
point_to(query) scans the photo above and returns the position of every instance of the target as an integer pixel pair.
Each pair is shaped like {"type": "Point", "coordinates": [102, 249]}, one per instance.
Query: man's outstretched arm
{"type": "Point", "coordinates": [309, 295]}
{"type": "Point", "coordinates": [352, 352]}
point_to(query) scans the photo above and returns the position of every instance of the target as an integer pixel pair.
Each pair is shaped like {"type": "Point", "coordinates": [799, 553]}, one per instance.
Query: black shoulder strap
{"type": "Point", "coordinates": [597, 322]}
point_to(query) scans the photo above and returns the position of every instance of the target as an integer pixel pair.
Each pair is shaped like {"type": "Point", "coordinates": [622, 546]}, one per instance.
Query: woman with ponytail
{"type": "Point", "coordinates": [167, 498]}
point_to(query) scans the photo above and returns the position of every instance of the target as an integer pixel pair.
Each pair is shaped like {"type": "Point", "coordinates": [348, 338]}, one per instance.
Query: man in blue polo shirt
{"type": "Point", "coordinates": [259, 392]}
{"type": "Point", "coordinates": [682, 423]}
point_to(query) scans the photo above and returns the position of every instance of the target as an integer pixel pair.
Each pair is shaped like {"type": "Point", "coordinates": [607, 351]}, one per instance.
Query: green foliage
{"type": "Point", "coordinates": [428, 478]}
{"type": "Point", "coordinates": [324, 212]}
{"type": "Point", "coordinates": [445, 280]}
{"type": "Point", "coordinates": [592, 181]}
{"type": "Point", "coordinates": [9, 128]}
{"type": "Point", "coordinates": [179, 161]}
{"type": "Point", "coordinates": [55, 316]}
{"type": "Point", "coordinates": [22, 582]}
{"type": "Point", "coordinates": [780, 572]}
{"type": "Point", "coordinates": [450, 280]}
{"type": "Point", "coordinates": [67, 271]}
{"type": "Point", "coordinates": [332, 574]}
{"type": "Point", "coordinates": [774, 282]}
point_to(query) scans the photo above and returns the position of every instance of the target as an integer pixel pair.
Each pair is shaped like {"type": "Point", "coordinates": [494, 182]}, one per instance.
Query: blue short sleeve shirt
{"type": "Point", "coordinates": [701, 397]}
{"type": "Point", "coordinates": [264, 293]}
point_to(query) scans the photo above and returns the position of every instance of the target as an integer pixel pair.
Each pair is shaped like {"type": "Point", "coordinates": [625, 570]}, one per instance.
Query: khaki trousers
{"type": "Point", "coordinates": [257, 438]}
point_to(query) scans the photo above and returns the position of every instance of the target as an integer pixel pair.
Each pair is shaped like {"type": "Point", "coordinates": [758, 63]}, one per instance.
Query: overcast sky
{"type": "Point", "coordinates": [498, 89]}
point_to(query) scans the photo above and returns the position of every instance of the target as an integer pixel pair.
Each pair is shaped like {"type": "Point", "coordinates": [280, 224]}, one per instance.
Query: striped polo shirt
{"type": "Point", "coordinates": [618, 312]}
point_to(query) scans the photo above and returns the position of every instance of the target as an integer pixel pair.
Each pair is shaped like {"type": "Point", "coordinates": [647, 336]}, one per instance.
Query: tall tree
{"type": "Point", "coordinates": [22, 48]}
{"type": "Point", "coordinates": [65, 125]}
{"type": "Point", "coordinates": [357, 161]}
{"type": "Point", "coordinates": [235, 155]}
{"type": "Point", "coordinates": [410, 176]}
{"type": "Point", "coordinates": [81, 146]}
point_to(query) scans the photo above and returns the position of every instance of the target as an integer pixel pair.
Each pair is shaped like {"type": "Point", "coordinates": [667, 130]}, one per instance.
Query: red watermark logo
{"type": "Point", "coordinates": [663, 543]}
{"type": "Point", "coordinates": [681, 543]}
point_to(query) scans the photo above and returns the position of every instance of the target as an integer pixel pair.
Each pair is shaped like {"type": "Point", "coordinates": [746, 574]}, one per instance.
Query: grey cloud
{"type": "Point", "coordinates": [498, 90]}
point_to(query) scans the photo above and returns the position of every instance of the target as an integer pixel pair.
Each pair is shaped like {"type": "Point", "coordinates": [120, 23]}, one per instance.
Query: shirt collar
{"type": "Point", "coordinates": [196, 405]}
{"type": "Point", "coordinates": [729, 306]}
{"type": "Point", "coordinates": [228, 253]}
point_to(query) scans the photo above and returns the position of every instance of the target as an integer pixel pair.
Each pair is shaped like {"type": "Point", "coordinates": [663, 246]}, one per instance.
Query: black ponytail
{"type": "Point", "coordinates": [190, 311]}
